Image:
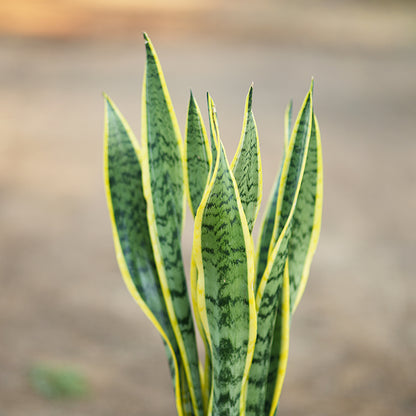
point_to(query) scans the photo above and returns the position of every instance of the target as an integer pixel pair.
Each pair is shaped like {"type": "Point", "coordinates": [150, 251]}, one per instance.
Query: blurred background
{"type": "Point", "coordinates": [63, 304]}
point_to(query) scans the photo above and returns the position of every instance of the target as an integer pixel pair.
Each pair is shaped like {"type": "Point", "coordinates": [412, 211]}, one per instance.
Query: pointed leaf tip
{"type": "Point", "coordinates": [211, 103]}
{"type": "Point", "coordinates": [198, 156]}
{"type": "Point", "coordinates": [108, 100]}
{"type": "Point", "coordinates": [250, 97]}
{"type": "Point", "coordinates": [246, 164]}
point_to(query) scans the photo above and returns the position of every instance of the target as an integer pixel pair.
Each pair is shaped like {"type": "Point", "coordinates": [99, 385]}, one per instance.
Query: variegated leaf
{"type": "Point", "coordinates": [246, 165]}
{"type": "Point", "coordinates": [293, 167]}
{"type": "Point", "coordinates": [214, 131]}
{"type": "Point", "coordinates": [307, 219]}
{"type": "Point", "coordinates": [207, 377]}
{"type": "Point", "coordinates": [206, 373]}
{"type": "Point", "coordinates": [270, 286]}
{"type": "Point", "coordinates": [163, 162]}
{"type": "Point", "coordinates": [280, 349]}
{"type": "Point", "coordinates": [224, 257]}
{"type": "Point", "coordinates": [198, 155]}
{"type": "Point", "coordinates": [268, 302]}
{"type": "Point", "coordinates": [291, 179]}
{"type": "Point", "coordinates": [267, 226]}
{"type": "Point", "coordinates": [127, 206]}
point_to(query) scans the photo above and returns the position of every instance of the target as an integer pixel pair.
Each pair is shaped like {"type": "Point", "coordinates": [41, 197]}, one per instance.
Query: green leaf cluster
{"type": "Point", "coordinates": [243, 295]}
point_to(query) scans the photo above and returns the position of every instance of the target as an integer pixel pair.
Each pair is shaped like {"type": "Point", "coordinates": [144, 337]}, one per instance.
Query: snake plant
{"type": "Point", "coordinates": [242, 295]}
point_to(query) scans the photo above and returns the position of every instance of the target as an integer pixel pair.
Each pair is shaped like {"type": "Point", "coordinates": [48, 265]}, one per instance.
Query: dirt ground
{"type": "Point", "coordinates": [62, 300]}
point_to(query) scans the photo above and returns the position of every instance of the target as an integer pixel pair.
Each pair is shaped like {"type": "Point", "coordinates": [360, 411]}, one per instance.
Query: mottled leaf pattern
{"type": "Point", "coordinates": [198, 155]}
{"type": "Point", "coordinates": [123, 179]}
{"type": "Point", "coordinates": [206, 378]}
{"type": "Point", "coordinates": [223, 252]}
{"type": "Point", "coordinates": [246, 165]}
{"type": "Point", "coordinates": [280, 349]}
{"type": "Point", "coordinates": [268, 301]}
{"type": "Point", "coordinates": [291, 179]}
{"type": "Point", "coordinates": [292, 169]}
{"type": "Point", "coordinates": [307, 219]}
{"type": "Point", "coordinates": [267, 226]}
{"type": "Point", "coordinates": [164, 191]}
{"type": "Point", "coordinates": [242, 305]}
{"type": "Point", "coordinates": [214, 130]}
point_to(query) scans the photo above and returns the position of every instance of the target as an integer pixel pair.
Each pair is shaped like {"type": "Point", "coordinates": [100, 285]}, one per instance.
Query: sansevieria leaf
{"type": "Point", "coordinates": [198, 154]}
{"type": "Point", "coordinates": [214, 131]}
{"type": "Point", "coordinates": [293, 167]}
{"type": "Point", "coordinates": [123, 181]}
{"type": "Point", "coordinates": [280, 348]}
{"type": "Point", "coordinates": [163, 184]}
{"type": "Point", "coordinates": [224, 257]}
{"type": "Point", "coordinates": [267, 226]}
{"type": "Point", "coordinates": [246, 165]}
{"type": "Point", "coordinates": [269, 295]}
{"type": "Point", "coordinates": [210, 150]}
{"type": "Point", "coordinates": [268, 301]}
{"type": "Point", "coordinates": [307, 219]}
{"type": "Point", "coordinates": [290, 183]}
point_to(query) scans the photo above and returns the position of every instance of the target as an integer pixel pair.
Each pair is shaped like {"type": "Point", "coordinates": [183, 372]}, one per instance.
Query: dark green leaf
{"type": "Point", "coordinates": [198, 155]}
{"type": "Point", "coordinates": [223, 251]}
{"type": "Point", "coordinates": [163, 178]}
{"type": "Point", "coordinates": [246, 165]}
{"type": "Point", "coordinates": [127, 206]}
{"type": "Point", "coordinates": [306, 219]}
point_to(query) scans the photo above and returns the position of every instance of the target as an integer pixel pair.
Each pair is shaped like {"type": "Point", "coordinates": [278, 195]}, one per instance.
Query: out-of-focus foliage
{"type": "Point", "coordinates": [55, 382]}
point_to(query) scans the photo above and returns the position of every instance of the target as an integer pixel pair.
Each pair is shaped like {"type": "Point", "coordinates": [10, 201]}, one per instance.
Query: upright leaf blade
{"type": "Point", "coordinates": [290, 184]}
{"type": "Point", "coordinates": [214, 131]}
{"type": "Point", "coordinates": [127, 206]}
{"type": "Point", "coordinates": [206, 376]}
{"type": "Point", "coordinates": [163, 177]}
{"type": "Point", "coordinates": [270, 286]}
{"type": "Point", "coordinates": [293, 166]}
{"type": "Point", "coordinates": [268, 302]}
{"type": "Point", "coordinates": [266, 231]}
{"type": "Point", "coordinates": [307, 219]}
{"type": "Point", "coordinates": [280, 349]}
{"type": "Point", "coordinates": [198, 154]}
{"type": "Point", "coordinates": [223, 253]}
{"type": "Point", "coordinates": [161, 136]}
{"type": "Point", "coordinates": [246, 165]}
